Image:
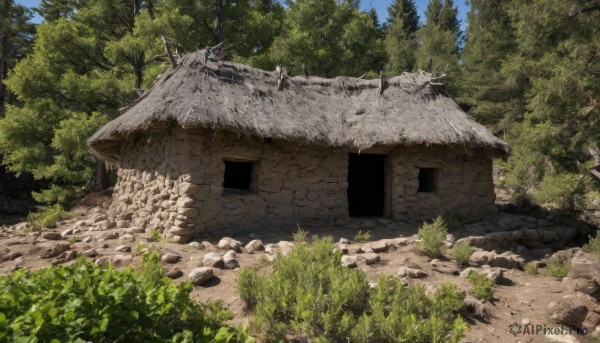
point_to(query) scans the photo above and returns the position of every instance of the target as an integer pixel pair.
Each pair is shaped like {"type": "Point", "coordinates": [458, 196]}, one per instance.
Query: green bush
{"type": "Point", "coordinates": [154, 235]}
{"type": "Point", "coordinates": [362, 236]}
{"type": "Point", "coordinates": [453, 220]}
{"type": "Point", "coordinates": [593, 245]}
{"type": "Point", "coordinates": [84, 302]}
{"type": "Point", "coordinates": [300, 235]}
{"type": "Point", "coordinates": [462, 252]}
{"type": "Point", "coordinates": [531, 269]}
{"type": "Point", "coordinates": [432, 237]}
{"type": "Point", "coordinates": [481, 286]}
{"type": "Point", "coordinates": [48, 216]}
{"type": "Point", "coordinates": [309, 296]}
{"type": "Point", "coordinates": [558, 266]}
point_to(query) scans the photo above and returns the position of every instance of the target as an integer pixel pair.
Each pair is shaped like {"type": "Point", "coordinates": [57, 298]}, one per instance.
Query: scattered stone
{"type": "Point", "coordinates": [174, 273]}
{"type": "Point", "coordinates": [201, 275]}
{"type": "Point", "coordinates": [476, 308]}
{"type": "Point", "coordinates": [495, 273]}
{"type": "Point", "coordinates": [66, 233]}
{"type": "Point", "coordinates": [181, 239]}
{"type": "Point", "coordinates": [230, 254]}
{"type": "Point", "coordinates": [344, 241]}
{"type": "Point", "coordinates": [89, 253]}
{"type": "Point", "coordinates": [87, 239]}
{"type": "Point", "coordinates": [343, 248]}
{"type": "Point", "coordinates": [64, 257]}
{"type": "Point", "coordinates": [349, 261]}
{"type": "Point", "coordinates": [435, 262]}
{"type": "Point", "coordinates": [370, 258]}
{"type": "Point", "coordinates": [585, 266]}
{"type": "Point", "coordinates": [128, 238]}
{"type": "Point", "coordinates": [411, 273]}
{"type": "Point", "coordinates": [569, 310]}
{"type": "Point", "coordinates": [13, 255]}
{"type": "Point", "coordinates": [195, 245]}
{"type": "Point", "coordinates": [102, 260]}
{"type": "Point", "coordinates": [379, 246]}
{"type": "Point", "coordinates": [110, 235]}
{"type": "Point", "coordinates": [170, 258]}
{"type": "Point", "coordinates": [525, 321]}
{"type": "Point", "coordinates": [208, 245]}
{"type": "Point", "coordinates": [53, 236]}
{"type": "Point", "coordinates": [121, 259]}
{"type": "Point", "coordinates": [254, 245]}
{"type": "Point", "coordinates": [53, 249]}
{"type": "Point", "coordinates": [494, 260]}
{"type": "Point", "coordinates": [230, 263]}
{"type": "Point", "coordinates": [123, 248]}
{"type": "Point", "coordinates": [228, 243]}
{"type": "Point", "coordinates": [212, 259]}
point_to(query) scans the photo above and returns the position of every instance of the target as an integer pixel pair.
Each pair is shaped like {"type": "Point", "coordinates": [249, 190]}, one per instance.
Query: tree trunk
{"type": "Point", "coordinates": [218, 22]}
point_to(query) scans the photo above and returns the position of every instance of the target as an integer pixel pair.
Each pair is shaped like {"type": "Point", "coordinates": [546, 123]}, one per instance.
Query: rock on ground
{"type": "Point", "coordinates": [200, 275]}
{"type": "Point", "coordinates": [212, 259]}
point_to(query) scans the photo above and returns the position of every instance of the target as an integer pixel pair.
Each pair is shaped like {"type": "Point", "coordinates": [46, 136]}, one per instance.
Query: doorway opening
{"type": "Point", "coordinates": [366, 185]}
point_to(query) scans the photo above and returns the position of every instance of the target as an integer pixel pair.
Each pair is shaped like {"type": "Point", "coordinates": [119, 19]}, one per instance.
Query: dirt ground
{"type": "Point", "coordinates": [521, 298]}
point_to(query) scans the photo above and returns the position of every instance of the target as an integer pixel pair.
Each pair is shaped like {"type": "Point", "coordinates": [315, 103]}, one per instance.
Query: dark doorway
{"type": "Point", "coordinates": [366, 185]}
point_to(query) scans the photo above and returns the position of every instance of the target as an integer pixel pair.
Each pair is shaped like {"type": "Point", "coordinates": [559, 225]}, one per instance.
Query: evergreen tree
{"type": "Point", "coordinates": [400, 39]}
{"type": "Point", "coordinates": [16, 36]}
{"type": "Point", "coordinates": [485, 92]}
{"type": "Point", "coordinates": [557, 65]}
{"type": "Point", "coordinates": [328, 38]}
{"type": "Point", "coordinates": [438, 38]}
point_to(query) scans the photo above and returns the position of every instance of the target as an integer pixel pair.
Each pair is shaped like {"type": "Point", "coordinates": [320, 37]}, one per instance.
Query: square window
{"type": "Point", "coordinates": [238, 175]}
{"type": "Point", "coordinates": [428, 179]}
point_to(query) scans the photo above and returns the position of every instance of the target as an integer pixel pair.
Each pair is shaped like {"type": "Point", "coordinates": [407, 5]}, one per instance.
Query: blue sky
{"type": "Point", "coordinates": [379, 5]}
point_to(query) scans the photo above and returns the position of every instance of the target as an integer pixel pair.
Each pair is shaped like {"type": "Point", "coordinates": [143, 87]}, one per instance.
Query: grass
{"type": "Point", "coordinates": [462, 252]}
{"type": "Point", "coordinates": [362, 236]}
{"type": "Point", "coordinates": [300, 235]}
{"type": "Point", "coordinates": [593, 245]}
{"type": "Point", "coordinates": [558, 266]}
{"type": "Point", "coordinates": [432, 237]}
{"type": "Point", "coordinates": [531, 269]}
{"type": "Point", "coordinates": [154, 235]}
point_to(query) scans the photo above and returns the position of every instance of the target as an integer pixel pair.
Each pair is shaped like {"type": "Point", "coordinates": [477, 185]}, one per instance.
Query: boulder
{"type": "Point", "coordinates": [212, 259]}
{"type": "Point", "coordinates": [254, 245]}
{"type": "Point", "coordinates": [230, 263]}
{"type": "Point", "coordinates": [349, 261]}
{"type": "Point", "coordinates": [493, 273]}
{"type": "Point", "coordinates": [53, 236]}
{"type": "Point", "coordinates": [123, 248]}
{"type": "Point", "coordinates": [174, 273]}
{"type": "Point", "coordinates": [569, 310]}
{"type": "Point", "coordinates": [411, 273]}
{"type": "Point", "coordinates": [121, 259]}
{"type": "Point", "coordinates": [492, 259]}
{"type": "Point", "coordinates": [228, 243]}
{"type": "Point", "coordinates": [585, 266]}
{"type": "Point", "coordinates": [476, 308]}
{"type": "Point", "coordinates": [200, 275]}
{"type": "Point", "coordinates": [379, 246]}
{"type": "Point", "coordinates": [195, 245]}
{"type": "Point", "coordinates": [110, 235]}
{"type": "Point", "coordinates": [50, 250]}
{"type": "Point", "coordinates": [370, 258]}
{"type": "Point", "coordinates": [67, 232]}
{"type": "Point", "coordinates": [89, 253]}
{"type": "Point", "coordinates": [170, 258]}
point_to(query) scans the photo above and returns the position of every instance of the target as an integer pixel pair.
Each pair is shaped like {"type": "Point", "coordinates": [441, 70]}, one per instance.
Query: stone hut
{"type": "Point", "coordinates": [217, 145]}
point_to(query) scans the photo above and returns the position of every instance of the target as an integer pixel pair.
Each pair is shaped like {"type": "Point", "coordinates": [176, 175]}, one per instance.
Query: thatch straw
{"type": "Point", "coordinates": [340, 112]}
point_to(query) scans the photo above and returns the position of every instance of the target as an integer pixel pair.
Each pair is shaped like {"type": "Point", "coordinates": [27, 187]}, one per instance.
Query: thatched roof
{"type": "Point", "coordinates": [339, 112]}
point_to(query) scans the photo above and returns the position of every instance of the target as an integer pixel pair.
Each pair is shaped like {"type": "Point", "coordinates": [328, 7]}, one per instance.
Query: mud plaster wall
{"type": "Point", "coordinates": [174, 181]}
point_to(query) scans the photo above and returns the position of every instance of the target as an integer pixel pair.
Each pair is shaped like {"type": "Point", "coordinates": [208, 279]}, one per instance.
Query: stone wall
{"type": "Point", "coordinates": [174, 182]}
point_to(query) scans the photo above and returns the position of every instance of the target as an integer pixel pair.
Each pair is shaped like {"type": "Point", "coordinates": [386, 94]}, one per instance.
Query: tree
{"type": "Point", "coordinates": [558, 65]}
{"type": "Point", "coordinates": [438, 38]}
{"type": "Point", "coordinates": [400, 39]}
{"type": "Point", "coordinates": [485, 92]}
{"type": "Point", "coordinates": [328, 38]}
{"type": "Point", "coordinates": [16, 36]}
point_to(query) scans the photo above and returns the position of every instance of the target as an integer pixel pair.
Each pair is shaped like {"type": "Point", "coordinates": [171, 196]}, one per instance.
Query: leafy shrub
{"type": "Point", "coordinates": [362, 236]}
{"type": "Point", "coordinates": [593, 245]}
{"type": "Point", "coordinates": [461, 252]}
{"type": "Point", "coordinates": [558, 266]}
{"type": "Point", "coordinates": [481, 286]}
{"type": "Point", "coordinates": [48, 216]}
{"type": "Point", "coordinates": [432, 237]}
{"type": "Point", "coordinates": [561, 191]}
{"type": "Point", "coordinates": [310, 296]}
{"type": "Point", "coordinates": [84, 302]}
{"type": "Point", "coordinates": [154, 235]}
{"type": "Point", "coordinates": [300, 235]}
{"type": "Point", "coordinates": [531, 269]}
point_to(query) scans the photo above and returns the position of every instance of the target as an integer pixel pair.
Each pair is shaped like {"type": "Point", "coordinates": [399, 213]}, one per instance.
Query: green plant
{"type": "Point", "coordinates": [362, 236]}
{"type": "Point", "coordinates": [48, 216]}
{"type": "Point", "coordinates": [593, 245]}
{"type": "Point", "coordinates": [531, 269]}
{"type": "Point", "coordinates": [154, 235]}
{"type": "Point", "coordinates": [453, 220]}
{"type": "Point", "coordinates": [558, 266]}
{"type": "Point", "coordinates": [138, 249]}
{"type": "Point", "coordinates": [84, 302]}
{"type": "Point", "coordinates": [150, 267]}
{"type": "Point", "coordinates": [300, 235]}
{"type": "Point", "coordinates": [461, 252]}
{"type": "Point", "coordinates": [309, 296]}
{"type": "Point", "coordinates": [432, 237]}
{"type": "Point", "coordinates": [481, 286]}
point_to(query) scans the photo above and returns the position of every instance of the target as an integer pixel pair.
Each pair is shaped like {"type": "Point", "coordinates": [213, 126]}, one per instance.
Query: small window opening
{"type": "Point", "coordinates": [428, 178]}
{"type": "Point", "coordinates": [238, 175]}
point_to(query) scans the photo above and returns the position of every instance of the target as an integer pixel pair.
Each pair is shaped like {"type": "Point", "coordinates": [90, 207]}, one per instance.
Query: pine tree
{"type": "Point", "coordinates": [438, 38]}
{"type": "Point", "coordinates": [490, 40]}
{"type": "Point", "coordinates": [328, 38]}
{"type": "Point", "coordinates": [400, 39]}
